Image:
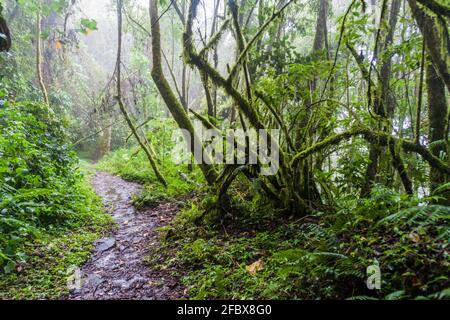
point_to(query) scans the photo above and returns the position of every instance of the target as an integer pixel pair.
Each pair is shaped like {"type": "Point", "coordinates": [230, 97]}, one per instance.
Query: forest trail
{"type": "Point", "coordinates": [117, 269]}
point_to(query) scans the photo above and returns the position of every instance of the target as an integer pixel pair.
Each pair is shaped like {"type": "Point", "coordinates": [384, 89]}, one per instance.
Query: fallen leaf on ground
{"type": "Point", "coordinates": [414, 237]}
{"type": "Point", "coordinates": [255, 267]}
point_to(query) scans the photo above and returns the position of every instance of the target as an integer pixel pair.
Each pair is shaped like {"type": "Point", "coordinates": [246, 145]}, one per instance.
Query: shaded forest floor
{"type": "Point", "coordinates": [169, 244]}
{"type": "Point", "coordinates": [117, 269]}
{"type": "Point", "coordinates": [254, 251]}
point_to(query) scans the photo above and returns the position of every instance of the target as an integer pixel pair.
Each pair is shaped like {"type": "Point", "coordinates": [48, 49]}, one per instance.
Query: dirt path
{"type": "Point", "coordinates": [116, 269]}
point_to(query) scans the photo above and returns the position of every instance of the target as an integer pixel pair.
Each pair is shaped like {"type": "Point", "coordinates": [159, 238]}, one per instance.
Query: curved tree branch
{"type": "Point", "coordinates": [436, 7]}
{"type": "Point", "coordinates": [174, 106]}
{"type": "Point", "coordinates": [381, 138]}
{"type": "Point", "coordinates": [146, 148]}
{"type": "Point", "coordinates": [255, 37]}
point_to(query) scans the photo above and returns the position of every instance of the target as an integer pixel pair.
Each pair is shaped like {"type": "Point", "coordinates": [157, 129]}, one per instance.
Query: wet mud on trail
{"type": "Point", "coordinates": [117, 269]}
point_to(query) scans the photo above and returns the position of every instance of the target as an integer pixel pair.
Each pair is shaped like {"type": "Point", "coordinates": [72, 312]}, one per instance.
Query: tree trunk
{"type": "Point", "coordinates": [384, 103]}
{"type": "Point", "coordinates": [176, 109]}
{"type": "Point", "coordinates": [435, 35]}
{"type": "Point", "coordinates": [321, 27]}
{"type": "Point", "coordinates": [437, 108]}
{"type": "Point", "coordinates": [105, 140]}
{"type": "Point", "coordinates": [142, 142]}
{"type": "Point", "coordinates": [39, 59]}
{"type": "Point", "coordinates": [308, 189]}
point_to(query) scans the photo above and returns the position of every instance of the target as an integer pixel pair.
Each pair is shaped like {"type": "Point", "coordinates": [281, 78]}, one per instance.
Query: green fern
{"type": "Point", "coordinates": [444, 294]}
{"type": "Point", "coordinates": [421, 214]}
{"type": "Point", "coordinates": [396, 295]}
{"type": "Point", "coordinates": [363, 298]}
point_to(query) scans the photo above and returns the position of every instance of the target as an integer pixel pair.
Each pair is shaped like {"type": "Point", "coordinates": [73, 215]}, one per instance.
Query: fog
{"type": "Point", "coordinates": [96, 55]}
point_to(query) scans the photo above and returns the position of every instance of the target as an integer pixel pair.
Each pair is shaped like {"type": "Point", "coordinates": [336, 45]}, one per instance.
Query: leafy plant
{"type": "Point", "coordinates": [41, 190]}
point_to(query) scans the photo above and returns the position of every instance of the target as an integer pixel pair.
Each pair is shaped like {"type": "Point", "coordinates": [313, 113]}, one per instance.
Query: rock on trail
{"type": "Point", "coordinates": [116, 269]}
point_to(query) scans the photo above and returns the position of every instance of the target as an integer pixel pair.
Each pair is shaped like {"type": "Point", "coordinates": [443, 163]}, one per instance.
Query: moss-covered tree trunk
{"type": "Point", "coordinates": [383, 100]}
{"type": "Point", "coordinates": [436, 40]}
{"type": "Point", "coordinates": [436, 36]}
{"type": "Point", "coordinates": [105, 139]}
{"type": "Point", "coordinates": [175, 107]}
{"type": "Point", "coordinates": [142, 141]}
{"type": "Point", "coordinates": [437, 115]}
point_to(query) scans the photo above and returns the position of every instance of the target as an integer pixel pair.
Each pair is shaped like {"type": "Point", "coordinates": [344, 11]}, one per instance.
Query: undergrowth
{"type": "Point", "coordinates": [250, 254]}
{"type": "Point", "coordinates": [131, 164]}
{"type": "Point", "coordinates": [49, 216]}
{"type": "Point", "coordinates": [257, 252]}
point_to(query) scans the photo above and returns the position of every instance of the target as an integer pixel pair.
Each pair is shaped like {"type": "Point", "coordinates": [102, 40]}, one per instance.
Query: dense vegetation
{"type": "Point", "coordinates": [357, 89]}
{"type": "Point", "coordinates": [257, 252]}
{"type": "Point", "coordinates": [44, 199]}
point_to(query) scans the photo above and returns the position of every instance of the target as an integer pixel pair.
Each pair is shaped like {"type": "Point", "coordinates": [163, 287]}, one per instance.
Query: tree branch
{"type": "Point", "coordinates": [381, 138]}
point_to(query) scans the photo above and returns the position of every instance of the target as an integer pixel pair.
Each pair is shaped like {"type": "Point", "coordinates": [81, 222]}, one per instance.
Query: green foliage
{"type": "Point", "coordinates": [132, 165]}
{"type": "Point", "coordinates": [325, 256]}
{"type": "Point", "coordinates": [44, 274]}
{"type": "Point", "coordinates": [41, 190]}
{"type": "Point", "coordinates": [242, 247]}
{"type": "Point", "coordinates": [88, 25]}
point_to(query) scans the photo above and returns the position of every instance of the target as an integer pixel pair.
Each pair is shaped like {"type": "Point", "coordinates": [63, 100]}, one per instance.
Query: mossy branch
{"type": "Point", "coordinates": [241, 43]}
{"type": "Point", "coordinates": [277, 117]}
{"type": "Point", "coordinates": [399, 165]}
{"type": "Point", "coordinates": [436, 7]}
{"type": "Point", "coordinates": [39, 59]}
{"type": "Point", "coordinates": [174, 106]}
{"type": "Point", "coordinates": [380, 138]}
{"type": "Point", "coordinates": [243, 104]}
{"type": "Point", "coordinates": [256, 37]}
{"type": "Point", "coordinates": [147, 149]}
{"type": "Point", "coordinates": [204, 121]}
{"type": "Point", "coordinates": [195, 59]}
{"type": "Point", "coordinates": [215, 39]}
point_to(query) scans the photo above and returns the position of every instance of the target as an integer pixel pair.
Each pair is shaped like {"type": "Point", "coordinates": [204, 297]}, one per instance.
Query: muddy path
{"type": "Point", "coordinates": [117, 269]}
